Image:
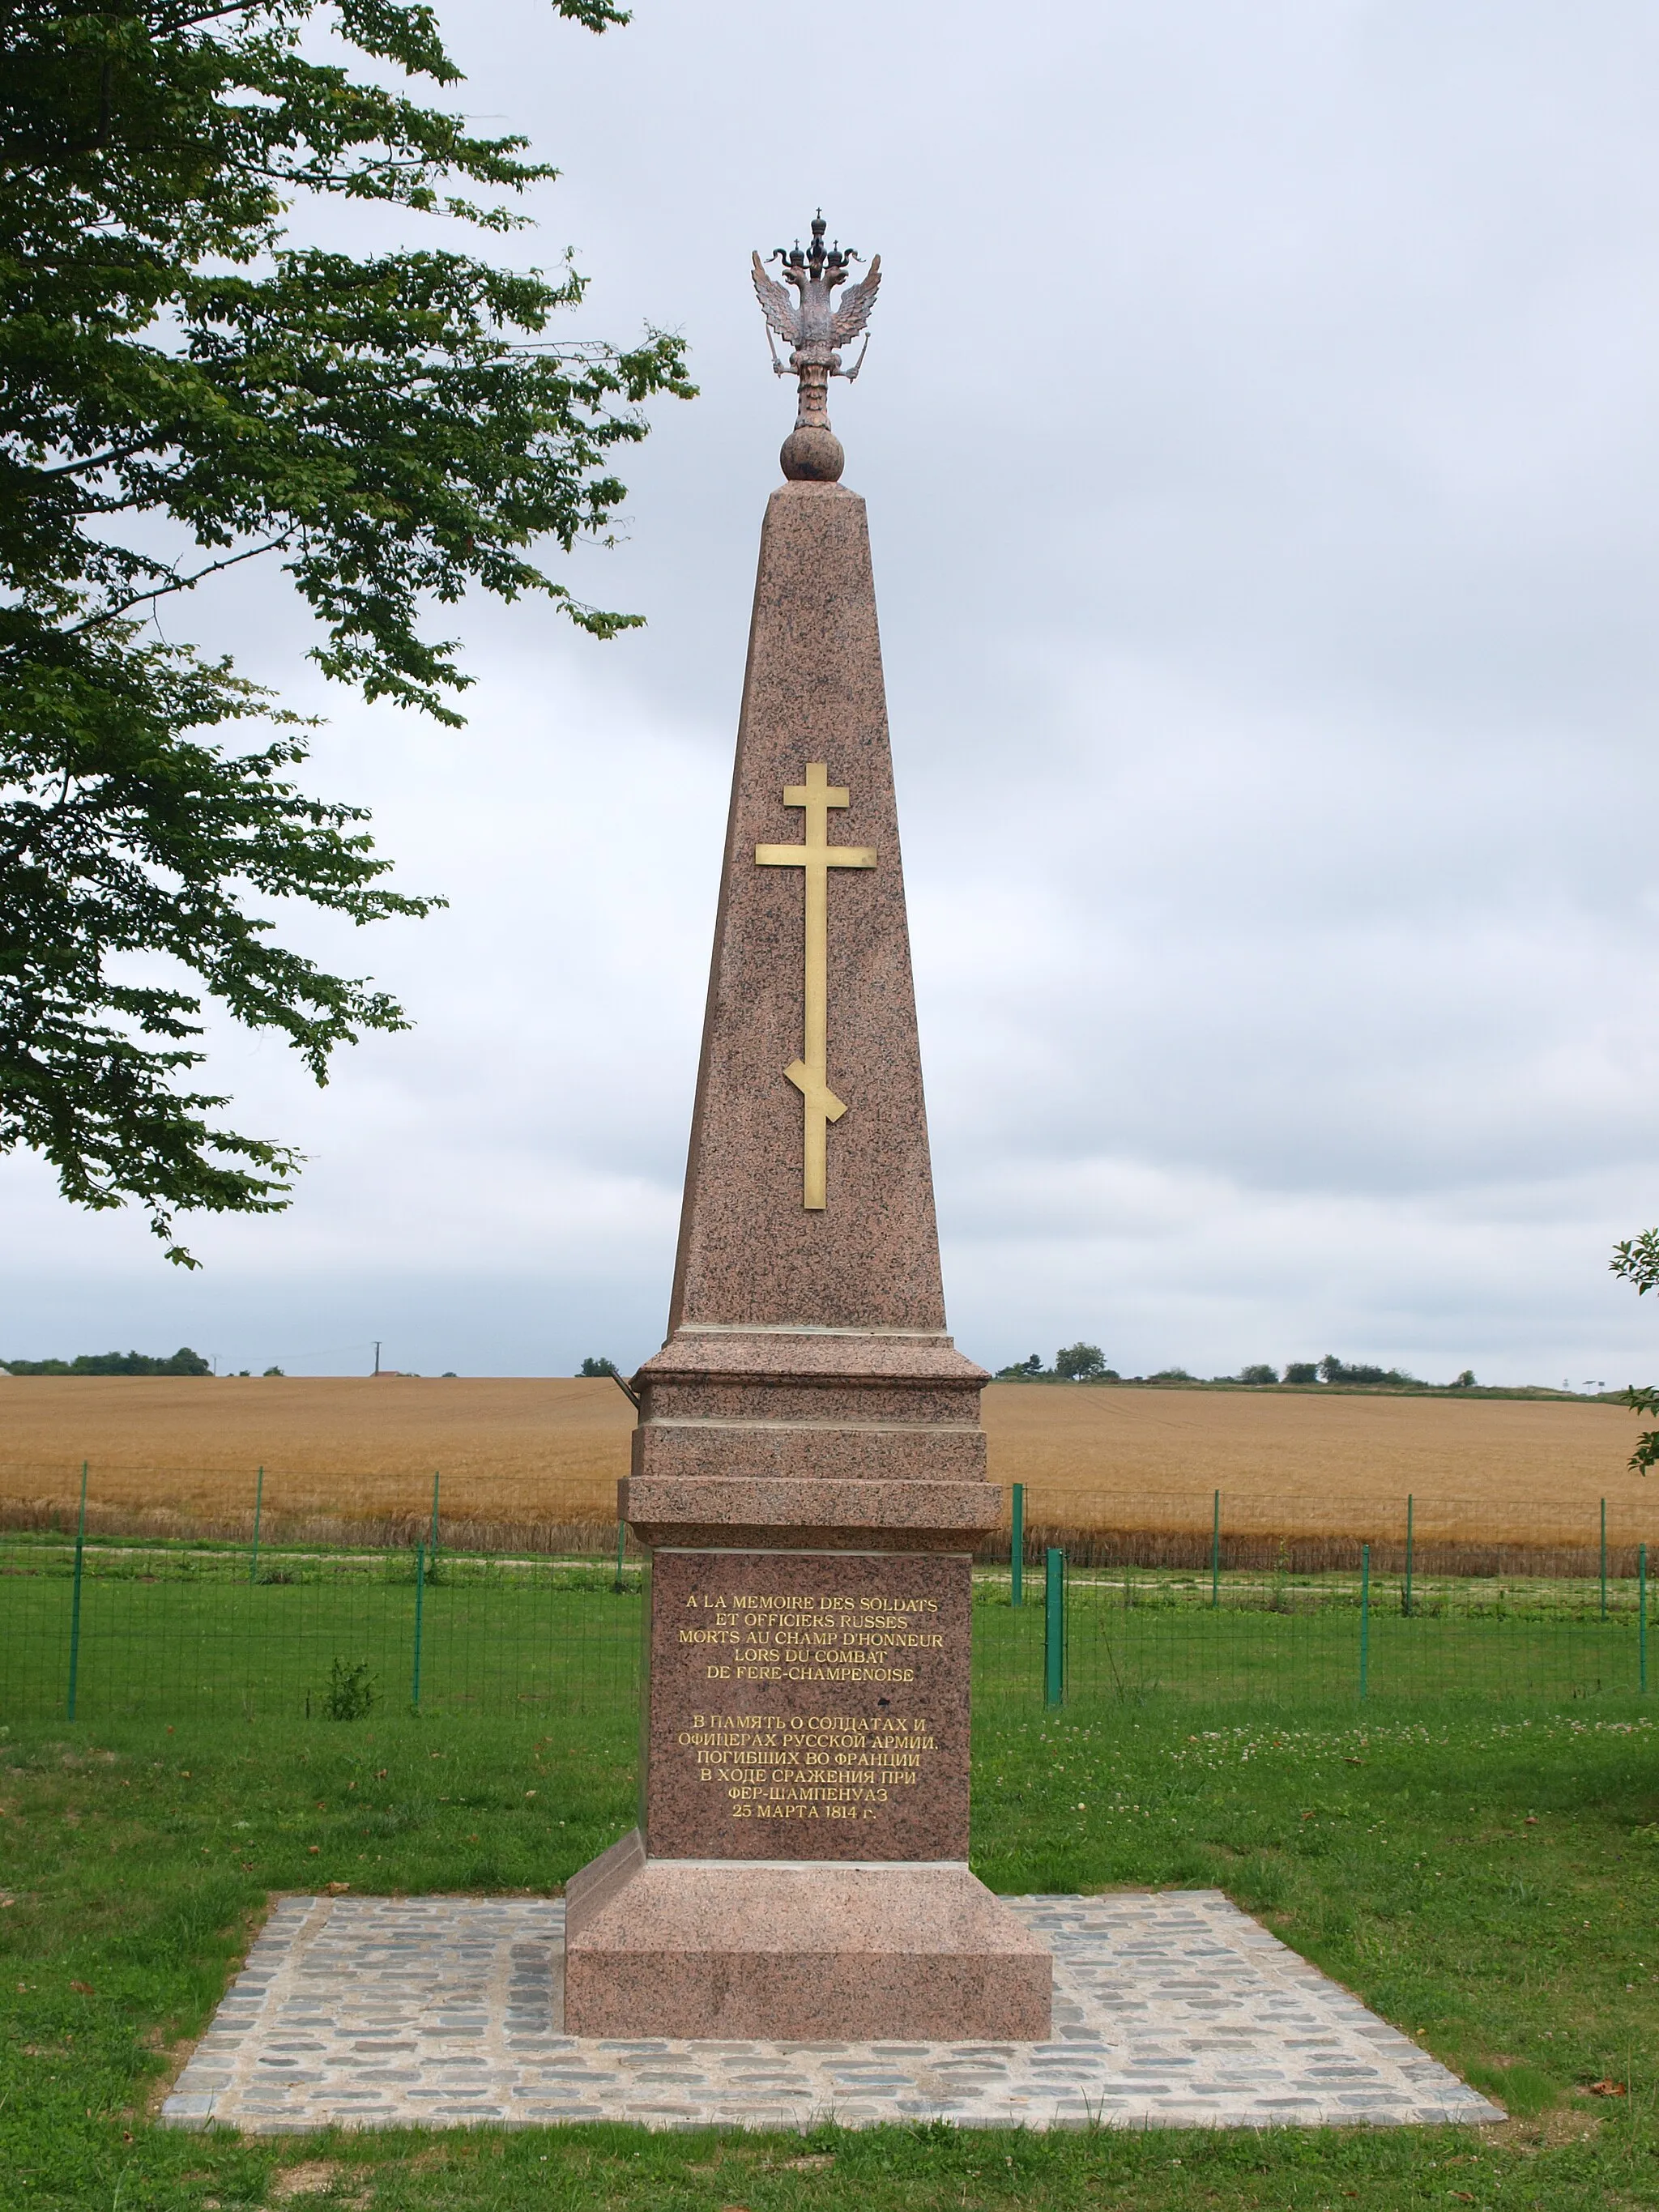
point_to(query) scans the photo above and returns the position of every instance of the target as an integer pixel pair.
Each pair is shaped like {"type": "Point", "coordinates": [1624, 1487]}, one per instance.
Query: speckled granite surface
{"type": "Point", "coordinates": [749, 1252]}
{"type": "Point", "coordinates": [1170, 2009]}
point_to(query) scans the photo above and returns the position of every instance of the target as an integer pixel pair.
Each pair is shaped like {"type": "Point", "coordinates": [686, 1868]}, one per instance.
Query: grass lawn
{"type": "Point", "coordinates": [1488, 1879]}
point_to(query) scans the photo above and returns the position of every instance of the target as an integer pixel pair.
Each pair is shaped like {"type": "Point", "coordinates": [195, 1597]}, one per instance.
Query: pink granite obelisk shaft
{"type": "Point", "coordinates": [809, 1467]}
{"type": "Point", "coordinates": [750, 1250]}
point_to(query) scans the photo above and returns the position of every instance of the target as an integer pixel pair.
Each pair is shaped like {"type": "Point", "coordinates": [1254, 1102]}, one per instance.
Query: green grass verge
{"type": "Point", "coordinates": [1490, 1883]}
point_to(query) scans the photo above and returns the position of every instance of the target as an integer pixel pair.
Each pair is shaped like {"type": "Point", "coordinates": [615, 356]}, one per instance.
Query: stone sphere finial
{"type": "Point", "coordinates": [812, 454]}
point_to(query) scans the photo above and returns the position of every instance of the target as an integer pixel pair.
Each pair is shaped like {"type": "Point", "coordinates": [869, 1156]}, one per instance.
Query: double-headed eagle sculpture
{"type": "Point", "coordinates": [813, 323]}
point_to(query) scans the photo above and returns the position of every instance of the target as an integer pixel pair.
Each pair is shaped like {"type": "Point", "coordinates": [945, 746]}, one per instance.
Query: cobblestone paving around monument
{"type": "Point", "coordinates": [1171, 2010]}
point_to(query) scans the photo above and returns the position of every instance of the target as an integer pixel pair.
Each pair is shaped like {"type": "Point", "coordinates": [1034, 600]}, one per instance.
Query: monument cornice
{"type": "Point", "coordinates": [809, 1357]}
{"type": "Point", "coordinates": [798, 1512]}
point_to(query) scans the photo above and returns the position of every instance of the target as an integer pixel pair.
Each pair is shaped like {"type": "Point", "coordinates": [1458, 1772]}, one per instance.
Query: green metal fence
{"type": "Point", "coordinates": [1215, 1607]}
{"type": "Point", "coordinates": [1211, 1604]}
{"type": "Point", "coordinates": [95, 1629]}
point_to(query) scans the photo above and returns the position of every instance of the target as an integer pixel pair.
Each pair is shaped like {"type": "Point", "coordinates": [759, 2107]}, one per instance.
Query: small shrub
{"type": "Point", "coordinates": [350, 1692]}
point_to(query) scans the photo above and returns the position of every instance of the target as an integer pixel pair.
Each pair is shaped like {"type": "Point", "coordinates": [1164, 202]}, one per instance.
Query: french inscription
{"type": "Point", "coordinates": [808, 1707]}
{"type": "Point", "coordinates": [824, 1638]}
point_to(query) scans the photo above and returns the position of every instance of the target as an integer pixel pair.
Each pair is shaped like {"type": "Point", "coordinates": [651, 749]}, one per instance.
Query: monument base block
{"type": "Point", "coordinates": [797, 1953]}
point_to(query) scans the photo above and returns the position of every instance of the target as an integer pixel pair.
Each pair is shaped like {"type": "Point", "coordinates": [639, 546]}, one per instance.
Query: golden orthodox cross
{"type": "Point", "coordinates": [816, 856]}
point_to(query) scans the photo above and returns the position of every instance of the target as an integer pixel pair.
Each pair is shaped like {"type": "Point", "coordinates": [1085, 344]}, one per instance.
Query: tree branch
{"type": "Point", "coordinates": [103, 460]}
{"type": "Point", "coordinates": [178, 584]}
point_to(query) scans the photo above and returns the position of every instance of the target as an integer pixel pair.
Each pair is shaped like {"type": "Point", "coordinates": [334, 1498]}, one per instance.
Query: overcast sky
{"type": "Point", "coordinates": [1261, 446]}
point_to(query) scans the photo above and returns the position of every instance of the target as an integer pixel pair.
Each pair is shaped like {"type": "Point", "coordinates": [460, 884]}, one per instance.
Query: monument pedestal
{"type": "Point", "coordinates": [842, 1951]}
{"type": "Point", "coordinates": [800, 1868]}
{"type": "Point", "coordinates": [809, 1467]}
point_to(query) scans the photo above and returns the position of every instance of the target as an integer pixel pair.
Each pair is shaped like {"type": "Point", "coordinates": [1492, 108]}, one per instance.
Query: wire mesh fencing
{"type": "Point", "coordinates": [288, 1605]}
{"type": "Point", "coordinates": [304, 1611]}
{"type": "Point", "coordinates": [1260, 1598]}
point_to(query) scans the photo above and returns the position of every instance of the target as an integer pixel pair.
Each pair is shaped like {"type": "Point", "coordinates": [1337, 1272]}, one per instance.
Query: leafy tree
{"type": "Point", "coordinates": [1259, 1374]}
{"type": "Point", "coordinates": [1637, 1259]}
{"type": "Point", "coordinates": [1080, 1362]}
{"type": "Point", "coordinates": [1172, 1375]}
{"type": "Point", "coordinates": [597, 1367]}
{"type": "Point", "coordinates": [182, 390]}
{"type": "Point", "coordinates": [1022, 1371]}
{"type": "Point", "coordinates": [1646, 1454]}
{"type": "Point", "coordinates": [1301, 1370]}
{"type": "Point", "coordinates": [1465, 1381]}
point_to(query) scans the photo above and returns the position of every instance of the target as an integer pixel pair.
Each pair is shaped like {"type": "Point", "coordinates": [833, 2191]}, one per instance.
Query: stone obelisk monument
{"type": "Point", "coordinates": [809, 1467]}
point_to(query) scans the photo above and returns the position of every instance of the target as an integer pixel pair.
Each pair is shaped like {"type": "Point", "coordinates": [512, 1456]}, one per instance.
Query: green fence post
{"type": "Point", "coordinates": [1364, 1619]}
{"type": "Point", "coordinates": [258, 1501]}
{"type": "Point", "coordinates": [1604, 1558]}
{"type": "Point", "coordinates": [1215, 1551]}
{"type": "Point", "coordinates": [74, 1602]}
{"type": "Point", "coordinates": [1016, 1547]}
{"type": "Point", "coordinates": [1641, 1616]}
{"type": "Point", "coordinates": [1409, 1502]}
{"type": "Point", "coordinates": [433, 1552]}
{"type": "Point", "coordinates": [420, 1594]}
{"type": "Point", "coordinates": [621, 1543]}
{"type": "Point", "coordinates": [1053, 1630]}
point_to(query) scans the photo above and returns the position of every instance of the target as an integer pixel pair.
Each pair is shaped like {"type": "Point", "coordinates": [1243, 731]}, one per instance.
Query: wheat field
{"type": "Point", "coordinates": [524, 1460]}
{"type": "Point", "coordinates": [1324, 1460]}
{"type": "Point", "coordinates": [520, 1460]}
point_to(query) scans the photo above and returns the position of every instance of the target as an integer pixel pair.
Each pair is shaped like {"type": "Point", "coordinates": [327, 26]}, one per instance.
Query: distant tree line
{"type": "Point", "coordinates": [1086, 1363]}
{"type": "Point", "coordinates": [1330, 1369]}
{"type": "Point", "coordinates": [183, 1362]}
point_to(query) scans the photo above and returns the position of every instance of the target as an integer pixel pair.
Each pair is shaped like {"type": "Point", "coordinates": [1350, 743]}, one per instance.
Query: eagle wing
{"type": "Point", "coordinates": [853, 312]}
{"type": "Point", "coordinates": [775, 305]}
